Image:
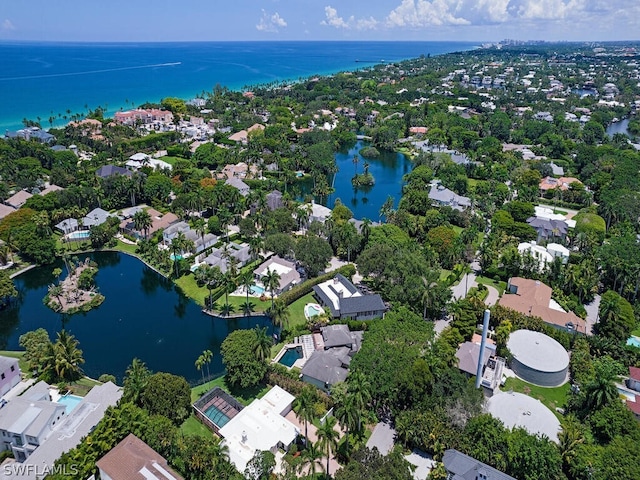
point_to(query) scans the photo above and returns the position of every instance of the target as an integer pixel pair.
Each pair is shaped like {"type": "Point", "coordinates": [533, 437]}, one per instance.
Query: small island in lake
{"type": "Point", "coordinates": [364, 179]}
{"type": "Point", "coordinates": [77, 292]}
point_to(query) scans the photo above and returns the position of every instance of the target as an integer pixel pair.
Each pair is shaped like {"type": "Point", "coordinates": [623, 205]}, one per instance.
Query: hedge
{"type": "Point", "coordinates": [306, 287]}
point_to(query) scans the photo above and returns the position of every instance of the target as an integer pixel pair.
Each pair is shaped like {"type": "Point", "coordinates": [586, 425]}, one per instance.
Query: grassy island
{"type": "Point", "coordinates": [77, 292]}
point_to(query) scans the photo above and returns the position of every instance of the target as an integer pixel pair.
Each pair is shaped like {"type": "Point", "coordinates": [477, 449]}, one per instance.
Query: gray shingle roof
{"type": "Point", "coordinates": [546, 227]}
{"type": "Point", "coordinates": [110, 170]}
{"type": "Point", "coordinates": [364, 303]}
{"type": "Point", "coordinates": [336, 336]}
{"type": "Point", "coordinates": [326, 367]}
{"type": "Point", "coordinates": [464, 467]}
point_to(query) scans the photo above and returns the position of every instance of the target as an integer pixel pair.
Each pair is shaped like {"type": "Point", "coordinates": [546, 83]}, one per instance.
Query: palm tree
{"type": "Point", "coordinates": [200, 226]}
{"type": "Point", "coordinates": [247, 281]}
{"type": "Point", "coordinates": [365, 230]}
{"type": "Point", "coordinates": [360, 388]}
{"type": "Point", "coordinates": [279, 313]}
{"type": "Point", "coordinates": [311, 457]}
{"type": "Point", "coordinates": [304, 406]}
{"type": "Point", "coordinates": [570, 438]}
{"type": "Point", "coordinates": [142, 222]}
{"type": "Point", "coordinates": [228, 282]}
{"type": "Point", "coordinates": [56, 291]}
{"type": "Point", "coordinates": [327, 438]}
{"type": "Point", "coordinates": [135, 381]}
{"type": "Point", "coordinates": [600, 392]}
{"type": "Point", "coordinates": [429, 282]}
{"type": "Point", "coordinates": [199, 365]}
{"type": "Point", "coordinates": [262, 347]}
{"type": "Point", "coordinates": [255, 246]}
{"type": "Point", "coordinates": [348, 415]}
{"type": "Point", "coordinates": [178, 244]}
{"type": "Point", "coordinates": [248, 308]}
{"type": "Point", "coordinates": [271, 280]}
{"type": "Point", "coordinates": [68, 356]}
{"type": "Point", "coordinates": [214, 276]}
{"type": "Point", "coordinates": [207, 356]}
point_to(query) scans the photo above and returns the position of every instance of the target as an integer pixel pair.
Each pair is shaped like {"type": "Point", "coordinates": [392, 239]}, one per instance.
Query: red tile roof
{"type": "Point", "coordinates": [634, 407]}
{"type": "Point", "coordinates": [634, 373]}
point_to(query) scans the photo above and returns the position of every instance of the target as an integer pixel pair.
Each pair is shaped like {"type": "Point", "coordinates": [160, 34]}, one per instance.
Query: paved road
{"type": "Point", "coordinates": [493, 296]}
{"type": "Point", "coordinates": [466, 282]}
{"type": "Point", "coordinates": [592, 313]}
{"type": "Point", "coordinates": [382, 438]}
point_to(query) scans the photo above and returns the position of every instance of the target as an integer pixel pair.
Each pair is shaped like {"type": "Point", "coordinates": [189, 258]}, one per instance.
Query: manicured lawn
{"type": "Point", "coordinates": [170, 160]}
{"type": "Point", "coordinates": [500, 286]}
{"type": "Point", "coordinates": [193, 426]}
{"type": "Point", "coordinates": [125, 247]}
{"type": "Point", "coordinates": [24, 368]}
{"type": "Point", "coordinates": [237, 302]}
{"type": "Point", "coordinates": [296, 310]}
{"type": "Point", "coordinates": [551, 397]}
{"type": "Point", "coordinates": [190, 288]}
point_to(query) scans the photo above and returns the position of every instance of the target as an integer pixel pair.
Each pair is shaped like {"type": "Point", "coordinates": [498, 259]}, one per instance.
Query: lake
{"type": "Point", "coordinates": [388, 170]}
{"type": "Point", "coordinates": [144, 315]}
{"type": "Point", "coordinates": [618, 127]}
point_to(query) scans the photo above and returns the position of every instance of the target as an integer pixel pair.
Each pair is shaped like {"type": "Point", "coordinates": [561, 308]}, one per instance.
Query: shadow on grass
{"type": "Point", "coordinates": [243, 395]}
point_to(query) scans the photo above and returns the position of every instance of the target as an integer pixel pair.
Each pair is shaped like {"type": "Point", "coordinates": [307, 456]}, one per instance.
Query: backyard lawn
{"type": "Point", "coordinates": [244, 395]}
{"type": "Point", "coordinates": [296, 310]}
{"type": "Point", "coordinates": [500, 286]}
{"type": "Point", "coordinates": [551, 397]}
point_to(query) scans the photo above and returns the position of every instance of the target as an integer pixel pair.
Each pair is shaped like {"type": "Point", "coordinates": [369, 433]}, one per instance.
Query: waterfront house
{"type": "Point", "coordinates": [143, 116]}
{"type": "Point", "coordinates": [132, 459]}
{"type": "Point", "coordinates": [97, 216]}
{"type": "Point", "coordinates": [67, 225]}
{"type": "Point", "coordinates": [463, 467]}
{"type": "Point", "coordinates": [289, 276]}
{"type": "Point", "coordinates": [218, 256]}
{"type": "Point", "coordinates": [533, 298]}
{"type": "Point", "coordinates": [9, 374]}
{"type": "Point", "coordinates": [319, 213]}
{"type": "Point", "coordinates": [32, 133]}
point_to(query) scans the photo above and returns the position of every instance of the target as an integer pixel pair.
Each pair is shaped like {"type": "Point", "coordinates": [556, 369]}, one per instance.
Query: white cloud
{"type": "Point", "coordinates": [367, 23]}
{"type": "Point", "coordinates": [7, 25]}
{"type": "Point", "coordinates": [332, 19]}
{"type": "Point", "coordinates": [271, 22]}
{"type": "Point", "coordinates": [423, 13]}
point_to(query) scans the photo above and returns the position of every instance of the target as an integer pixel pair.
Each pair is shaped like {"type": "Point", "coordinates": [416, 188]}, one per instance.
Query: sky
{"type": "Point", "coordinates": [219, 20]}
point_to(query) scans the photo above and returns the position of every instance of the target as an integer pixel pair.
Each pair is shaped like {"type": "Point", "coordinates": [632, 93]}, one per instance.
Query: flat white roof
{"type": "Point", "coordinates": [519, 410]}
{"type": "Point", "coordinates": [275, 267]}
{"type": "Point", "coordinates": [330, 287]}
{"type": "Point", "coordinates": [259, 426]}
{"type": "Point", "coordinates": [538, 351]}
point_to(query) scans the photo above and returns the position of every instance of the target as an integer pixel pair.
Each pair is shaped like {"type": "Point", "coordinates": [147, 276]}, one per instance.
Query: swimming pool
{"type": "Point", "coordinates": [175, 257]}
{"type": "Point", "coordinates": [290, 356]}
{"type": "Point", "coordinates": [217, 416]}
{"type": "Point", "coordinates": [312, 310]}
{"type": "Point", "coordinates": [257, 290]}
{"type": "Point", "coordinates": [633, 341]}
{"type": "Point", "coordinates": [79, 235]}
{"type": "Point", "coordinates": [70, 402]}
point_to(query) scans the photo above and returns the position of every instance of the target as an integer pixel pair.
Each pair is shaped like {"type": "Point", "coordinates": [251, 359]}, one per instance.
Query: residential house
{"type": "Point", "coordinates": [445, 197]}
{"type": "Point", "coordinates": [97, 216]}
{"type": "Point", "coordinates": [132, 459]}
{"type": "Point", "coordinates": [319, 213]}
{"type": "Point", "coordinates": [32, 133]}
{"type": "Point", "coordinates": [289, 276]}
{"type": "Point", "coordinates": [243, 135]}
{"type": "Point", "coordinates": [158, 220]}
{"type": "Point", "coordinates": [344, 300]}
{"type": "Point", "coordinates": [5, 210]}
{"type": "Point", "coordinates": [107, 171]}
{"type": "Point", "coordinates": [274, 200]}
{"type": "Point", "coordinates": [139, 160]}
{"type": "Point", "coordinates": [50, 188]}
{"type": "Point", "coordinates": [533, 298]}
{"type": "Point", "coordinates": [26, 421]}
{"type": "Point", "coordinates": [67, 225]}
{"type": "Point", "coordinates": [634, 379]}
{"type": "Point", "coordinates": [70, 430]}
{"type": "Point", "coordinates": [18, 199]}
{"type": "Point", "coordinates": [200, 242]}
{"type": "Point", "coordinates": [238, 184]}
{"type": "Point", "coordinates": [548, 229]}
{"type": "Point", "coordinates": [562, 183]}
{"type": "Point", "coordinates": [9, 374]}
{"type": "Point", "coordinates": [468, 355]}
{"type": "Point", "coordinates": [260, 426]}
{"type": "Point", "coordinates": [463, 467]}
{"type": "Point", "coordinates": [219, 256]}
{"type": "Point", "coordinates": [329, 363]}
{"type": "Point", "coordinates": [144, 116]}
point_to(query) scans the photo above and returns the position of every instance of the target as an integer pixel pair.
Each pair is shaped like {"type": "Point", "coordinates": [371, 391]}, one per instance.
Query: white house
{"type": "Point", "coordinates": [260, 426]}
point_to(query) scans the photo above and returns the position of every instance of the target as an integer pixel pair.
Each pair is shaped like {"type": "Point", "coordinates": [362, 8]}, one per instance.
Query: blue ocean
{"type": "Point", "coordinates": [56, 80]}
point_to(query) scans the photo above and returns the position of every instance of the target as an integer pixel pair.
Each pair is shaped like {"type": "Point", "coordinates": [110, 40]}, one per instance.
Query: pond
{"type": "Point", "coordinates": [618, 127]}
{"type": "Point", "coordinates": [144, 315]}
{"type": "Point", "coordinates": [365, 202]}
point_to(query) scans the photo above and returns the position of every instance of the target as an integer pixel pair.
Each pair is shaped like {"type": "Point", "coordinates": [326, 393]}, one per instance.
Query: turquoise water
{"type": "Point", "coordinates": [173, 257]}
{"type": "Point", "coordinates": [633, 342]}
{"type": "Point", "coordinates": [70, 401]}
{"type": "Point", "coordinates": [218, 417]}
{"type": "Point", "coordinates": [290, 356]}
{"type": "Point", "coordinates": [81, 235]}
{"type": "Point", "coordinates": [143, 315]}
{"type": "Point", "coordinates": [48, 79]}
{"type": "Point", "coordinates": [257, 290]}
{"type": "Point", "coordinates": [312, 310]}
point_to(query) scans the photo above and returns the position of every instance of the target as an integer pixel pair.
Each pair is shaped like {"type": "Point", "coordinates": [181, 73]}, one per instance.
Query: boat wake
{"type": "Point", "coordinates": [91, 72]}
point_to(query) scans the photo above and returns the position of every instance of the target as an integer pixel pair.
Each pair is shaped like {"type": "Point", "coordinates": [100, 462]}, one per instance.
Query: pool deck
{"type": "Point", "coordinates": [306, 341]}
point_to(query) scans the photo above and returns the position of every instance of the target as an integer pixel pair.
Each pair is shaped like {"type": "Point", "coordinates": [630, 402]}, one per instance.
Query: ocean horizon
{"type": "Point", "coordinates": [54, 80]}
